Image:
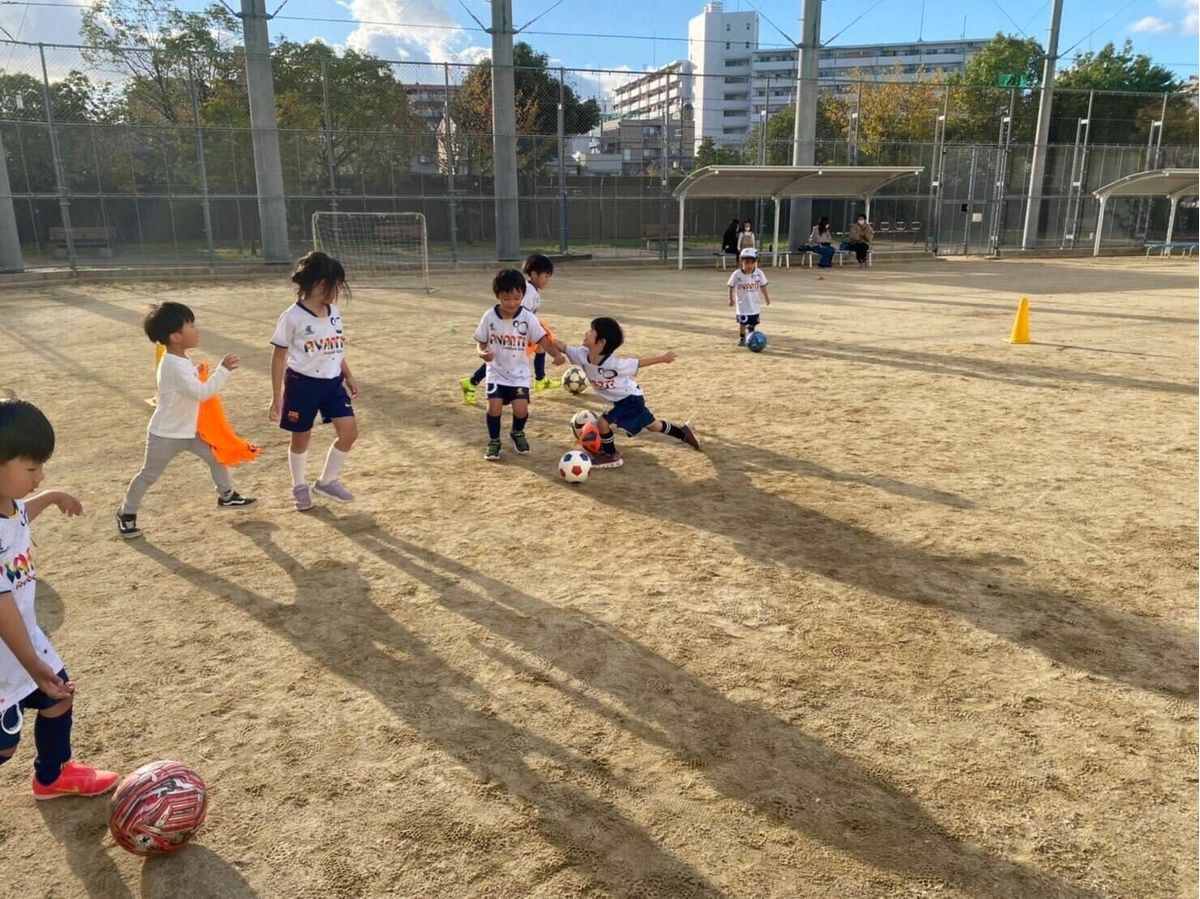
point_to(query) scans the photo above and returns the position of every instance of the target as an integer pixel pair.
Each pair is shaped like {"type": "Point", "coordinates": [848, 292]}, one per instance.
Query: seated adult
{"type": "Point", "coordinates": [820, 241]}
{"type": "Point", "coordinates": [859, 239]}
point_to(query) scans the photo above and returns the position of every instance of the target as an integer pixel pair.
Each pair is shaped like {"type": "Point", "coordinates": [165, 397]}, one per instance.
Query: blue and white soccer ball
{"type": "Point", "coordinates": [756, 342]}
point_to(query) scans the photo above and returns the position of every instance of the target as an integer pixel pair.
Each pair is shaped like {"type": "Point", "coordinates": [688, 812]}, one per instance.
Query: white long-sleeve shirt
{"type": "Point", "coordinates": [180, 392]}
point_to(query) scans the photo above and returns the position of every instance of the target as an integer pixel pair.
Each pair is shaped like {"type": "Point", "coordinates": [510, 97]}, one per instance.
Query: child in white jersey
{"type": "Point", "coordinates": [32, 675]}
{"type": "Point", "coordinates": [612, 380]}
{"type": "Point", "coordinates": [172, 428]}
{"type": "Point", "coordinates": [309, 374]}
{"type": "Point", "coordinates": [538, 271]}
{"type": "Point", "coordinates": [504, 334]}
{"type": "Point", "coordinates": [745, 286]}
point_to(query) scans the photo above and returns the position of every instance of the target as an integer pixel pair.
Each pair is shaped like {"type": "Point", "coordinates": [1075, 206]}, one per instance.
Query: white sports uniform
{"type": "Point", "coordinates": [747, 290]}
{"type": "Point", "coordinates": [18, 577]}
{"type": "Point", "coordinates": [611, 378]}
{"type": "Point", "coordinates": [316, 346]}
{"type": "Point", "coordinates": [508, 339]}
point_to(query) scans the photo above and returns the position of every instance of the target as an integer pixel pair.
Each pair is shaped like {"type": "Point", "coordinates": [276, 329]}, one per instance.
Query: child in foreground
{"type": "Point", "coordinates": [745, 287]}
{"type": "Point", "coordinates": [32, 675]}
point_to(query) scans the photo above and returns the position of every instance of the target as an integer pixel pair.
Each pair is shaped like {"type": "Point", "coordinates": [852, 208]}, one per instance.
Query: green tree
{"type": "Point", "coordinates": [781, 126]}
{"type": "Point", "coordinates": [536, 95]}
{"type": "Point", "coordinates": [708, 153]}
{"type": "Point", "coordinates": [977, 103]}
{"type": "Point", "coordinates": [1133, 87]}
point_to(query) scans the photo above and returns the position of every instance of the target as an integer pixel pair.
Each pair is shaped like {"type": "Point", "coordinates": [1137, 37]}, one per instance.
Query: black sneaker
{"type": "Point", "coordinates": [235, 501]}
{"type": "Point", "coordinates": [127, 526]}
{"type": "Point", "coordinates": [492, 453]}
{"type": "Point", "coordinates": [741, 341]}
{"type": "Point", "coordinates": [689, 437]}
{"type": "Point", "coordinates": [520, 443]}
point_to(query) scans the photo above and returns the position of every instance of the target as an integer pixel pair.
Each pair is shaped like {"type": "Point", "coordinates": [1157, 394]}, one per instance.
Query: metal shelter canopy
{"type": "Point", "coordinates": [779, 181]}
{"type": "Point", "coordinates": [1174, 184]}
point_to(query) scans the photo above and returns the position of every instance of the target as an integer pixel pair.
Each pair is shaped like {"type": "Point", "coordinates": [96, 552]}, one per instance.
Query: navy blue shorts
{"type": "Point", "coordinates": [506, 393]}
{"type": "Point", "coordinates": [750, 321]}
{"type": "Point", "coordinates": [35, 700]}
{"type": "Point", "coordinates": [630, 415]}
{"type": "Point", "coordinates": [304, 397]}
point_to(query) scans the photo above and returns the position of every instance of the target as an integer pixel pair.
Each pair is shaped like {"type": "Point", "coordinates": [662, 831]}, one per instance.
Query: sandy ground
{"type": "Point", "coordinates": [920, 620]}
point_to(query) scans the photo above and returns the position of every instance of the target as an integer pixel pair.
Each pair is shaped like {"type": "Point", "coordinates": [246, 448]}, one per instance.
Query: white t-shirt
{"type": "Point", "coordinates": [747, 289]}
{"type": "Point", "coordinates": [315, 345]}
{"type": "Point", "coordinates": [507, 339]}
{"type": "Point", "coordinates": [18, 577]}
{"type": "Point", "coordinates": [533, 299]}
{"type": "Point", "coordinates": [180, 392]}
{"type": "Point", "coordinates": [611, 378]}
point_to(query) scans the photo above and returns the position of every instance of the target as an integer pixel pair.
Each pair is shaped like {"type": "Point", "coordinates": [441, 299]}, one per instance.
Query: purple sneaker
{"type": "Point", "coordinates": [302, 498]}
{"type": "Point", "coordinates": [334, 490]}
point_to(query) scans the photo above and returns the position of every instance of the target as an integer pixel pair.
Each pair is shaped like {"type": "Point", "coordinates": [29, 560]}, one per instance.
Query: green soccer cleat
{"type": "Point", "coordinates": [468, 390]}
{"type": "Point", "coordinates": [492, 453]}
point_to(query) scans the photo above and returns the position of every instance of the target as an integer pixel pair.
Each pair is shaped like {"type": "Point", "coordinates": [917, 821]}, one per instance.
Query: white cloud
{"type": "Point", "coordinates": [423, 31]}
{"type": "Point", "coordinates": [1191, 18]}
{"type": "Point", "coordinates": [1150, 25]}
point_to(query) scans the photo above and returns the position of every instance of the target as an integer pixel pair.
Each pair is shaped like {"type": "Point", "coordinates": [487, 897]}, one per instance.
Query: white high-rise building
{"type": "Point", "coordinates": [649, 96]}
{"type": "Point", "coordinates": [720, 47]}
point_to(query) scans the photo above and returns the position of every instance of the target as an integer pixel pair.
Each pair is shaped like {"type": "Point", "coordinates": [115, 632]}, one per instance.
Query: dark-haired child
{"type": "Point", "coordinates": [32, 675]}
{"type": "Point", "coordinates": [309, 374]}
{"type": "Point", "coordinates": [538, 271]}
{"type": "Point", "coordinates": [612, 379]}
{"type": "Point", "coordinates": [504, 334]}
{"type": "Point", "coordinates": [172, 428]}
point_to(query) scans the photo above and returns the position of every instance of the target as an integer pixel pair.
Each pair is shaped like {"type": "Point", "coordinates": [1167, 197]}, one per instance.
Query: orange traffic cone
{"type": "Point", "coordinates": [1020, 328]}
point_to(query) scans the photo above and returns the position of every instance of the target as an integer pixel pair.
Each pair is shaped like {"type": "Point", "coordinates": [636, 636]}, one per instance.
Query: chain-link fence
{"type": "Point", "coordinates": [135, 157]}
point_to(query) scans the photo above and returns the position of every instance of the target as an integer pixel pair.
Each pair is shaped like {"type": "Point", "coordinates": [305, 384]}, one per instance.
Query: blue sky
{"type": "Point", "coordinates": [1164, 29]}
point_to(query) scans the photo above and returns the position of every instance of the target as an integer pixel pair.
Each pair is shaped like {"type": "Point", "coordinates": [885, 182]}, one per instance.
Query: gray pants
{"type": "Point", "coordinates": [159, 453]}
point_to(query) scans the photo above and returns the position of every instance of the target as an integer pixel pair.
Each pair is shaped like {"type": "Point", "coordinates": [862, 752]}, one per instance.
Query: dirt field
{"type": "Point", "coordinates": [920, 621]}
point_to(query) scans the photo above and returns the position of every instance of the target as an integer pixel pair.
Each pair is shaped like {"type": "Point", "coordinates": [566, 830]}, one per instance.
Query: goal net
{"type": "Point", "coordinates": [376, 246]}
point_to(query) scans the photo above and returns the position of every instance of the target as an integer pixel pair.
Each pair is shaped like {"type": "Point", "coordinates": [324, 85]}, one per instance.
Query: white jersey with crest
{"type": "Point", "coordinates": [315, 345]}
{"type": "Point", "coordinates": [533, 299]}
{"type": "Point", "coordinates": [507, 338]}
{"type": "Point", "coordinates": [18, 577]}
{"type": "Point", "coordinates": [747, 288]}
{"type": "Point", "coordinates": [611, 378]}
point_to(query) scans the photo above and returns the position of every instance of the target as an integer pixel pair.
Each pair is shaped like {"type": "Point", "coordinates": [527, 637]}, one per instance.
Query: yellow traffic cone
{"type": "Point", "coordinates": [1020, 329]}
{"type": "Point", "coordinates": [159, 351]}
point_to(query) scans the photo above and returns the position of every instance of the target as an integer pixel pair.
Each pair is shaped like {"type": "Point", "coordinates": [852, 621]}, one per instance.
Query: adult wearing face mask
{"type": "Point", "coordinates": [860, 237]}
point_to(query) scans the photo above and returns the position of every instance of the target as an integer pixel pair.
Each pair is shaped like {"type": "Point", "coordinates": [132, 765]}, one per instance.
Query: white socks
{"type": "Point", "coordinates": [298, 463]}
{"type": "Point", "coordinates": [333, 465]}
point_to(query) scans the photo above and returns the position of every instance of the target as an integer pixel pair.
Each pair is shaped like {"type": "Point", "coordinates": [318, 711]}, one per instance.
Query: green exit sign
{"type": "Point", "coordinates": [1012, 80]}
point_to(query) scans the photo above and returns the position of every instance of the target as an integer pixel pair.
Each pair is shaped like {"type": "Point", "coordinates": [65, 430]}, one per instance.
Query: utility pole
{"type": "Point", "coordinates": [504, 133]}
{"type": "Point", "coordinates": [808, 89]}
{"type": "Point", "coordinates": [268, 170]}
{"type": "Point", "coordinates": [10, 242]}
{"type": "Point", "coordinates": [1037, 174]}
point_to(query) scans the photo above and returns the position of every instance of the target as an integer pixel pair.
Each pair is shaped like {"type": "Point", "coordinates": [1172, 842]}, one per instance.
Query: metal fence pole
{"type": "Point", "coordinates": [10, 243]}
{"type": "Point", "coordinates": [1004, 141]}
{"type": "Point", "coordinates": [663, 213]}
{"type": "Point", "coordinates": [200, 163]}
{"type": "Point", "coordinates": [451, 165]}
{"type": "Point", "coordinates": [327, 118]}
{"type": "Point", "coordinates": [60, 178]}
{"type": "Point", "coordinates": [563, 233]}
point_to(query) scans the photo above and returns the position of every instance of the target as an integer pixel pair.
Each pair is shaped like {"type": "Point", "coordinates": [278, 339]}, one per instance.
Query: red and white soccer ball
{"type": "Point", "coordinates": [574, 467]}
{"type": "Point", "coordinates": [157, 808]}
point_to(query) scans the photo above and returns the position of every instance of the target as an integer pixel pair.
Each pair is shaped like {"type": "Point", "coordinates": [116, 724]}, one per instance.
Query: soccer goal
{"type": "Point", "coordinates": [391, 247]}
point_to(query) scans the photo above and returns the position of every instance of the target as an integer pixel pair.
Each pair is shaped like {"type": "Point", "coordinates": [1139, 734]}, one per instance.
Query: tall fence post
{"type": "Point", "coordinates": [10, 244]}
{"type": "Point", "coordinates": [60, 178]}
{"type": "Point", "coordinates": [937, 175]}
{"type": "Point", "coordinates": [563, 233]}
{"type": "Point", "coordinates": [201, 165]}
{"type": "Point", "coordinates": [663, 210]}
{"type": "Point", "coordinates": [330, 148]}
{"type": "Point", "coordinates": [1004, 142]}
{"type": "Point", "coordinates": [1083, 130]}
{"type": "Point", "coordinates": [451, 165]}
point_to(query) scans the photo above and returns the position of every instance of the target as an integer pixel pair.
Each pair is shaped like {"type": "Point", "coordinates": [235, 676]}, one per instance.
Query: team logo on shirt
{"type": "Point", "coordinates": [19, 570]}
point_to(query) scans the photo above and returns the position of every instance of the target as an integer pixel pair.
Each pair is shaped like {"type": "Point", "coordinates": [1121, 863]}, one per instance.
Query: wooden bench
{"type": "Point", "coordinates": [1188, 247]}
{"type": "Point", "coordinates": [653, 234]}
{"type": "Point", "coordinates": [100, 236]}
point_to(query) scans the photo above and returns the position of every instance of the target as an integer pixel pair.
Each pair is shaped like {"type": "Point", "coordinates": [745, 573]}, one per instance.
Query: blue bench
{"type": "Point", "coordinates": [1188, 247]}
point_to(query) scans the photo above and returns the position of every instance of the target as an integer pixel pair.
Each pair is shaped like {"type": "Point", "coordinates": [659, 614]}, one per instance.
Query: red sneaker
{"type": "Point", "coordinates": [76, 780]}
